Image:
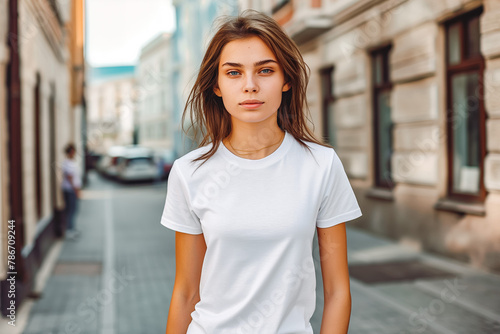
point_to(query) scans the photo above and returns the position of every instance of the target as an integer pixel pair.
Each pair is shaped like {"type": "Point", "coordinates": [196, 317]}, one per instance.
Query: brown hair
{"type": "Point", "coordinates": [207, 110]}
{"type": "Point", "coordinates": [69, 147]}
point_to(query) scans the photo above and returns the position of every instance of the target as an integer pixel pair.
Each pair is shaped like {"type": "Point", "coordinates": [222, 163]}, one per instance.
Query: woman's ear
{"type": "Point", "coordinates": [217, 91]}
{"type": "Point", "coordinates": [286, 87]}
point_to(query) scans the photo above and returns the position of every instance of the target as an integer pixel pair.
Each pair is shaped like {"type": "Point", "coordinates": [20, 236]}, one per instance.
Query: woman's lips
{"type": "Point", "coordinates": [251, 105]}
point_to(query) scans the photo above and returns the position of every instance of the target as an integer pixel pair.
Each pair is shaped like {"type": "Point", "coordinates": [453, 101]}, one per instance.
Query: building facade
{"type": "Point", "coordinates": [194, 28]}
{"type": "Point", "coordinates": [407, 92]}
{"type": "Point", "coordinates": [41, 110]}
{"type": "Point", "coordinates": [155, 91]}
{"type": "Point", "coordinates": [111, 99]}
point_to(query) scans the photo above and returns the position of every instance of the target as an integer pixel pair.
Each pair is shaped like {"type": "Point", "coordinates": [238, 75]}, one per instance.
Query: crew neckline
{"type": "Point", "coordinates": [258, 163]}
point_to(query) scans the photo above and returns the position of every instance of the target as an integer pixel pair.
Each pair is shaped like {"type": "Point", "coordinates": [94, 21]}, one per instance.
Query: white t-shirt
{"type": "Point", "coordinates": [258, 218]}
{"type": "Point", "coordinates": [70, 167]}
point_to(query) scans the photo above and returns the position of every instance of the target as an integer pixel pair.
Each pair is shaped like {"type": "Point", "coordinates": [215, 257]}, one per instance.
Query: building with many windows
{"type": "Point", "coordinates": [155, 95]}
{"type": "Point", "coordinates": [42, 108]}
{"type": "Point", "coordinates": [407, 92]}
{"type": "Point", "coordinates": [111, 100]}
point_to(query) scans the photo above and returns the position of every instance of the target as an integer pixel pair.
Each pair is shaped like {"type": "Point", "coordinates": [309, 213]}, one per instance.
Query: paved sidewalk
{"type": "Point", "coordinates": [463, 300]}
{"type": "Point", "coordinates": [118, 277]}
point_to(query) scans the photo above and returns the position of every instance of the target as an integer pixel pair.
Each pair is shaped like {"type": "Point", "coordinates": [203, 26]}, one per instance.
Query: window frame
{"type": "Point", "coordinates": [378, 88]}
{"type": "Point", "coordinates": [466, 65]}
{"type": "Point", "coordinates": [328, 98]}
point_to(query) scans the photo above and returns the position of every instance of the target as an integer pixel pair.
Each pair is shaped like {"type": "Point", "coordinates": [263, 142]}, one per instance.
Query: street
{"type": "Point", "coordinates": [118, 276]}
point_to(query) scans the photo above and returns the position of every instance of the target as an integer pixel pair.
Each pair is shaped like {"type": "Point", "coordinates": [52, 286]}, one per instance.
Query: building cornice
{"type": "Point", "coordinates": [49, 22]}
{"type": "Point", "coordinates": [313, 22]}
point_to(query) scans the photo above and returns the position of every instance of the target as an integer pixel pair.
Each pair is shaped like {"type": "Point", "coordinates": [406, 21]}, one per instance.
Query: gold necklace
{"type": "Point", "coordinates": [252, 151]}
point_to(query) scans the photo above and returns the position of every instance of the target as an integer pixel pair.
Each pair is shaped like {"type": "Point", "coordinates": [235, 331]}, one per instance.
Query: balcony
{"type": "Point", "coordinates": [302, 20]}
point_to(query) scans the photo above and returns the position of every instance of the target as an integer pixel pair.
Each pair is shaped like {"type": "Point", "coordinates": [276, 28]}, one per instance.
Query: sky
{"type": "Point", "coordinates": [118, 29]}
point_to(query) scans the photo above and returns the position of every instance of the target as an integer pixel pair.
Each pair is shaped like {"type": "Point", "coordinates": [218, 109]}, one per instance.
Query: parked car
{"type": "Point", "coordinates": [107, 164]}
{"type": "Point", "coordinates": [136, 166]}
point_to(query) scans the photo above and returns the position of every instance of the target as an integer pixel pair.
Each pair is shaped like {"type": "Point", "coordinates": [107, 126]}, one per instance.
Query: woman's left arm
{"type": "Point", "coordinates": [333, 257]}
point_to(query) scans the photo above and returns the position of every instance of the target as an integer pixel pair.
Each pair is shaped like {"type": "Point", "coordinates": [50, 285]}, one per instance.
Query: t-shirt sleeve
{"type": "Point", "coordinates": [339, 202]}
{"type": "Point", "coordinates": [177, 213]}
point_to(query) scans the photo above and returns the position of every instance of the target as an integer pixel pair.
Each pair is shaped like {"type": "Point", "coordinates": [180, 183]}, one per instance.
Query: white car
{"type": "Point", "coordinates": [107, 163]}
{"type": "Point", "coordinates": [136, 167]}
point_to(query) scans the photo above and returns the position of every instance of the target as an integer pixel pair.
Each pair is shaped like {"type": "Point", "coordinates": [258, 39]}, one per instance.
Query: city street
{"type": "Point", "coordinates": [118, 277]}
{"type": "Point", "coordinates": [406, 92]}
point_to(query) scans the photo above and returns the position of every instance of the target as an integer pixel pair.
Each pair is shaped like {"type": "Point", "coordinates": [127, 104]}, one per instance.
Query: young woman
{"type": "Point", "coordinates": [245, 204]}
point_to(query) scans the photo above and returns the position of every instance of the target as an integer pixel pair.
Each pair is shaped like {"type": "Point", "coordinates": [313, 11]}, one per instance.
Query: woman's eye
{"type": "Point", "coordinates": [234, 73]}
{"type": "Point", "coordinates": [268, 71]}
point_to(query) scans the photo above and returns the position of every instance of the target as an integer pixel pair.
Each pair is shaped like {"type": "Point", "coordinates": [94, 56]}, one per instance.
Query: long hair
{"type": "Point", "coordinates": [206, 109]}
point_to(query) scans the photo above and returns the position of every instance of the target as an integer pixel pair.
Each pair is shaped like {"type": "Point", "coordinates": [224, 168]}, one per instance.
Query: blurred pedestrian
{"type": "Point", "coordinates": [71, 185]}
{"type": "Point", "coordinates": [245, 217]}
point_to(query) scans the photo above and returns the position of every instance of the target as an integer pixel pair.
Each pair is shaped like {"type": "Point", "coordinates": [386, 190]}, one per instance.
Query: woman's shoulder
{"type": "Point", "coordinates": [185, 161]}
{"type": "Point", "coordinates": [322, 152]}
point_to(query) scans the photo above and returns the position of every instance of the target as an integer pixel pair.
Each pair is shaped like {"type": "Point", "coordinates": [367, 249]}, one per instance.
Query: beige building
{"type": "Point", "coordinates": [41, 110]}
{"type": "Point", "coordinates": [154, 85]}
{"type": "Point", "coordinates": [111, 105]}
{"type": "Point", "coordinates": [407, 91]}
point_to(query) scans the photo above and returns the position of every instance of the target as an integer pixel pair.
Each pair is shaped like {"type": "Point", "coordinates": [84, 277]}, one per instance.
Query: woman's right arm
{"type": "Point", "coordinates": [189, 254]}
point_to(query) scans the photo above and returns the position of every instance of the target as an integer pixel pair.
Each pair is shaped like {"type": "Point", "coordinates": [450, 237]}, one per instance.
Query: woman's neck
{"type": "Point", "coordinates": [254, 142]}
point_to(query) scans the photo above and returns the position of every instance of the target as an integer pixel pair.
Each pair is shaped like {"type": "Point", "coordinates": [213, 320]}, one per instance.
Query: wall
{"type": "Point", "coordinates": [111, 108]}
{"type": "Point", "coordinates": [418, 111]}
{"type": "Point", "coordinates": [154, 82]}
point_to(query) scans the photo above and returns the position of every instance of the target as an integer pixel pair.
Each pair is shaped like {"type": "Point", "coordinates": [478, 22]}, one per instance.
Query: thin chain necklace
{"type": "Point", "coordinates": [252, 151]}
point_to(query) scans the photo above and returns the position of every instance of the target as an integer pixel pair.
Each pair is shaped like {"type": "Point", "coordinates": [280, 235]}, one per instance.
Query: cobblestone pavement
{"type": "Point", "coordinates": [118, 277]}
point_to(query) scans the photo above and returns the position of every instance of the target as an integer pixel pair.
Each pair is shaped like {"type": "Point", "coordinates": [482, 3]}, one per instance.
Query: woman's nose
{"type": "Point", "coordinates": [250, 84]}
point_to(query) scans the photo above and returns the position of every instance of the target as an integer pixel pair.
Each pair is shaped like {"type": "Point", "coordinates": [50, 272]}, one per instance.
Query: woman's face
{"type": "Point", "coordinates": [250, 80]}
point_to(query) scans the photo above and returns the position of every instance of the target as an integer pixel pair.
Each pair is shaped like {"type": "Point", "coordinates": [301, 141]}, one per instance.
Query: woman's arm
{"type": "Point", "coordinates": [333, 256]}
{"type": "Point", "coordinates": [189, 254]}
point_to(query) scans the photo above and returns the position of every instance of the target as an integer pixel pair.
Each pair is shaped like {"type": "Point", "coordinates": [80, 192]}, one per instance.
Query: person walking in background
{"type": "Point", "coordinates": [246, 203]}
{"type": "Point", "coordinates": [71, 185]}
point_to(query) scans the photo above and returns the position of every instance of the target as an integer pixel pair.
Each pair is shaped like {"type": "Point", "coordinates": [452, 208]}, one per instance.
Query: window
{"type": "Point", "coordinates": [279, 4]}
{"type": "Point", "coordinates": [382, 124]}
{"type": "Point", "coordinates": [465, 117]}
{"type": "Point", "coordinates": [327, 105]}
